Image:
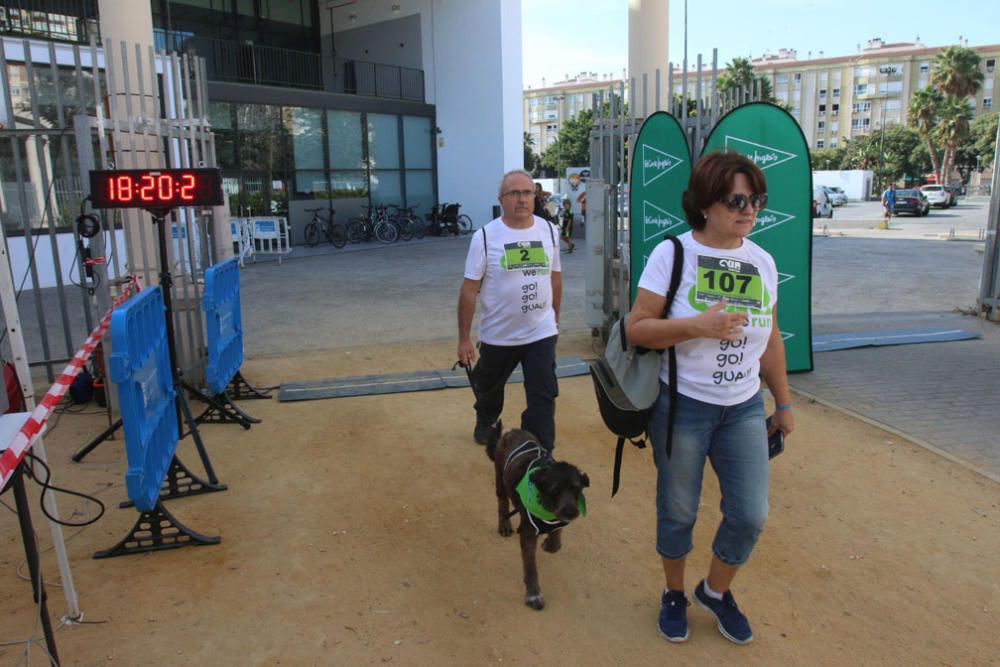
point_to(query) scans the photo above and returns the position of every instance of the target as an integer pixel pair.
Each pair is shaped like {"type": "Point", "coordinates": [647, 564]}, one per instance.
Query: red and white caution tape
{"type": "Point", "coordinates": [11, 457]}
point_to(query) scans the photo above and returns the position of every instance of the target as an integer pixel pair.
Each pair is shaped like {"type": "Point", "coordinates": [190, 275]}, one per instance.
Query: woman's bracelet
{"type": "Point", "coordinates": [781, 408]}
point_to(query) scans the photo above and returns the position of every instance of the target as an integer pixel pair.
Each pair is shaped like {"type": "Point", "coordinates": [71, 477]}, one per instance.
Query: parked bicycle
{"type": "Point", "coordinates": [408, 223]}
{"type": "Point", "coordinates": [375, 222]}
{"type": "Point", "coordinates": [324, 226]}
{"type": "Point", "coordinates": [445, 219]}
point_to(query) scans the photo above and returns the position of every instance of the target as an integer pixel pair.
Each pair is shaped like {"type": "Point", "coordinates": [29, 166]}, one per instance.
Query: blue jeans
{"type": "Point", "coordinates": [734, 439]}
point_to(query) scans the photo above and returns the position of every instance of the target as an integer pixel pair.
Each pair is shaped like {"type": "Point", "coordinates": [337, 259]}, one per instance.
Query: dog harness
{"type": "Point", "coordinates": [527, 491]}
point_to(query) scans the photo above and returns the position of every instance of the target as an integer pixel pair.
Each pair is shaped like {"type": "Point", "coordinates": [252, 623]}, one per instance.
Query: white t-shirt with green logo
{"type": "Point", "coordinates": [712, 370]}
{"type": "Point", "coordinates": [516, 293]}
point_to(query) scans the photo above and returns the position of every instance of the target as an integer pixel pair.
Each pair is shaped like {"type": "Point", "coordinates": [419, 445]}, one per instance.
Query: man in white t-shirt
{"type": "Point", "coordinates": [513, 266]}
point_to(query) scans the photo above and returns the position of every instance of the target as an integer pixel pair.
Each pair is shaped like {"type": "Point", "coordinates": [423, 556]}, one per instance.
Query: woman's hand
{"type": "Point", "coordinates": [782, 420]}
{"type": "Point", "coordinates": [717, 323]}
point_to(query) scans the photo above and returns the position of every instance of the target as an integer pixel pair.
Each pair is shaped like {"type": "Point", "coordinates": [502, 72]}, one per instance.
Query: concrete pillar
{"type": "Point", "coordinates": [647, 49]}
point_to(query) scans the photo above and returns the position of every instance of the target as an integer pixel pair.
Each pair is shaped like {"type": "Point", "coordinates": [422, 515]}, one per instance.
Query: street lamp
{"type": "Point", "coordinates": [887, 70]}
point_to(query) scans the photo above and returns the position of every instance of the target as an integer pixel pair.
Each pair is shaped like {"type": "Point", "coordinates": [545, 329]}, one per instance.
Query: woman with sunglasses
{"type": "Point", "coordinates": [724, 326]}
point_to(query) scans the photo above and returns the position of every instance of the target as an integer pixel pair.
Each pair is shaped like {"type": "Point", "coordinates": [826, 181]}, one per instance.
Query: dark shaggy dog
{"type": "Point", "coordinates": [555, 499]}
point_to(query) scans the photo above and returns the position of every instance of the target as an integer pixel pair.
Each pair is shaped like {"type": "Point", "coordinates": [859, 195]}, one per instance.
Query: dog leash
{"type": "Point", "coordinates": [468, 374]}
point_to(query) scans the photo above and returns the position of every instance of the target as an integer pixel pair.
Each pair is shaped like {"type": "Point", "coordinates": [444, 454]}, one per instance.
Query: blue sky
{"type": "Point", "coordinates": [561, 37]}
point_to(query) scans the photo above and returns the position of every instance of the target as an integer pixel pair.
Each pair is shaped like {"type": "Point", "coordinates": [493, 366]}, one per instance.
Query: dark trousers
{"type": "Point", "coordinates": [538, 363]}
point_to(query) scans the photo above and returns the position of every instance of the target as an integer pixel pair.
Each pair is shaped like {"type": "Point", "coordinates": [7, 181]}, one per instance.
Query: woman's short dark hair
{"type": "Point", "coordinates": [712, 178]}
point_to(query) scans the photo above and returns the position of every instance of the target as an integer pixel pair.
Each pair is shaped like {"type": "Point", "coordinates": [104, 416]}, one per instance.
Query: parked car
{"type": "Point", "coordinates": [911, 201]}
{"type": "Point", "coordinates": [937, 195]}
{"type": "Point", "coordinates": [822, 208]}
{"type": "Point", "coordinates": [955, 190]}
{"type": "Point", "coordinates": [836, 195]}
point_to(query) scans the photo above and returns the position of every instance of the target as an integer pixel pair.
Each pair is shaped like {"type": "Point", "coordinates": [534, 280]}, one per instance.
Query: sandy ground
{"type": "Point", "coordinates": [362, 531]}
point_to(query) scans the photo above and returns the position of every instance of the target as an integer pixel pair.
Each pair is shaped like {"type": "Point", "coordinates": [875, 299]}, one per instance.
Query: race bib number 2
{"type": "Point", "coordinates": [524, 255]}
{"type": "Point", "coordinates": [737, 280]}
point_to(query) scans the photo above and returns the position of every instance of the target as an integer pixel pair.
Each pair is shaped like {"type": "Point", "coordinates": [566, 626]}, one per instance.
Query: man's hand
{"type": "Point", "coordinates": [466, 353]}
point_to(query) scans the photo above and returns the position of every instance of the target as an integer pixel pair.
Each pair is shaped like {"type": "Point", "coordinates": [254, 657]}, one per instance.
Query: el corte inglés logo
{"type": "Point", "coordinates": [763, 156]}
{"type": "Point", "coordinates": [656, 163]}
{"type": "Point", "coordinates": [656, 221]}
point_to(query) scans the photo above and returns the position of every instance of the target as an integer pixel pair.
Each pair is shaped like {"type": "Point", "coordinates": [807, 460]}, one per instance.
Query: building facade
{"type": "Point", "coordinates": [545, 109]}
{"type": "Point", "coordinates": [333, 102]}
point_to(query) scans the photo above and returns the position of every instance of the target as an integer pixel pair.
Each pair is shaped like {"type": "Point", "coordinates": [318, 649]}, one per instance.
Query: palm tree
{"type": "Point", "coordinates": [954, 118]}
{"type": "Point", "coordinates": [922, 117]}
{"type": "Point", "coordinates": [739, 74]}
{"type": "Point", "coordinates": [955, 71]}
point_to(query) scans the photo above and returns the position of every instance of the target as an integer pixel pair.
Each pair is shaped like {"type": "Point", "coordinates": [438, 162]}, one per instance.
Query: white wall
{"type": "Point", "coordinates": [856, 183]}
{"type": "Point", "coordinates": [647, 47]}
{"type": "Point", "coordinates": [477, 82]}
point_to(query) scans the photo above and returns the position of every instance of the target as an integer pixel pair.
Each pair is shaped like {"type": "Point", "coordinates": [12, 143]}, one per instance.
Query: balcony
{"type": "Point", "coordinates": [60, 20]}
{"type": "Point", "coordinates": [236, 62]}
{"type": "Point", "coordinates": [380, 80]}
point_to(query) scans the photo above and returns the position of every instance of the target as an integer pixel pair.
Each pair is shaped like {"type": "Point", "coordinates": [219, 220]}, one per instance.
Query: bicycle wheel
{"type": "Point", "coordinates": [337, 235]}
{"type": "Point", "coordinates": [464, 224]}
{"type": "Point", "coordinates": [417, 225]}
{"type": "Point", "coordinates": [403, 225]}
{"type": "Point", "coordinates": [355, 230]}
{"type": "Point", "coordinates": [386, 232]}
{"type": "Point", "coordinates": [312, 234]}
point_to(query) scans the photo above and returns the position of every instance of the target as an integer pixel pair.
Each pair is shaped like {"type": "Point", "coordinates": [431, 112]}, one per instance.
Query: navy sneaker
{"type": "Point", "coordinates": [733, 625]}
{"type": "Point", "coordinates": [673, 623]}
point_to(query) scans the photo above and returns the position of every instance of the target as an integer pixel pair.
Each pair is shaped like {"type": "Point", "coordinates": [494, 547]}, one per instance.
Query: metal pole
{"type": "Point", "coordinates": [989, 290]}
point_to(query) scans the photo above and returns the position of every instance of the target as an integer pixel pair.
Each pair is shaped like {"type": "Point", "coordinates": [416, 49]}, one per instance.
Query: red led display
{"type": "Point", "coordinates": [155, 188]}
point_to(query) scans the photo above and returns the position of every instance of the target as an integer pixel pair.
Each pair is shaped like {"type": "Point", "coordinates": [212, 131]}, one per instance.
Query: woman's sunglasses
{"type": "Point", "coordinates": [739, 202]}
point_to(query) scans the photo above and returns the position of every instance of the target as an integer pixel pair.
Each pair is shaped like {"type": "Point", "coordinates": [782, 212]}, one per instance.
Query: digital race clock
{"type": "Point", "coordinates": [155, 188]}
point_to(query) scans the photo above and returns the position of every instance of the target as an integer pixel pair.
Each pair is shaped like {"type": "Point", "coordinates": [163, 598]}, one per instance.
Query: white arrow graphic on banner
{"type": "Point", "coordinates": [763, 156]}
{"type": "Point", "coordinates": [784, 277]}
{"type": "Point", "coordinates": [656, 163]}
{"type": "Point", "coordinates": [785, 335]}
{"type": "Point", "coordinates": [656, 221]}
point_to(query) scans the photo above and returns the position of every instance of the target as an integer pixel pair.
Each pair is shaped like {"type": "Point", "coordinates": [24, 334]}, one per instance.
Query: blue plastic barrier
{"type": "Point", "coordinates": [223, 324]}
{"type": "Point", "coordinates": [140, 368]}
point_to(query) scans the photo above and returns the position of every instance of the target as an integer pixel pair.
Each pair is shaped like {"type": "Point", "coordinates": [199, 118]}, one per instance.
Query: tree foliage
{"type": "Point", "coordinates": [572, 145]}
{"type": "Point", "coordinates": [531, 161]}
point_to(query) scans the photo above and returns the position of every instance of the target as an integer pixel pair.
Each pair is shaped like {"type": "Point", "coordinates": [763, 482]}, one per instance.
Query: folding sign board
{"type": "Point", "coordinates": [223, 324]}
{"type": "Point", "coordinates": [140, 368]}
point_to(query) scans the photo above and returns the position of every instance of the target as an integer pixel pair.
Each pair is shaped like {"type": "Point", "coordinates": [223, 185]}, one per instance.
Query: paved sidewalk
{"type": "Point", "coordinates": [942, 395]}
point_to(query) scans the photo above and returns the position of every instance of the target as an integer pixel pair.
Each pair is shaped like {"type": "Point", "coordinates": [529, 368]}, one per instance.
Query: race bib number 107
{"type": "Point", "coordinates": [737, 280]}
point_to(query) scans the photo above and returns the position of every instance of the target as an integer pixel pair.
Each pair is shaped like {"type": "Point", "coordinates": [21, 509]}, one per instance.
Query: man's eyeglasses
{"type": "Point", "coordinates": [739, 202]}
{"type": "Point", "coordinates": [518, 194]}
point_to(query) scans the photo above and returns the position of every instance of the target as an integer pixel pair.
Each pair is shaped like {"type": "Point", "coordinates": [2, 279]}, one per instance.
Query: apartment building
{"type": "Point", "coordinates": [545, 109]}
{"type": "Point", "coordinates": [843, 97]}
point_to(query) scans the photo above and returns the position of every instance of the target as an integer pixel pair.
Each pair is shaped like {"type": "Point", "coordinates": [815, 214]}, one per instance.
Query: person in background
{"type": "Point", "coordinates": [541, 199]}
{"type": "Point", "coordinates": [513, 266]}
{"type": "Point", "coordinates": [724, 324]}
{"type": "Point", "coordinates": [888, 204]}
{"type": "Point", "coordinates": [566, 223]}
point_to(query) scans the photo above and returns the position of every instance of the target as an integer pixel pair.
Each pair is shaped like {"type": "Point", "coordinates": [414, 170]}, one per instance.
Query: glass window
{"type": "Point", "coordinates": [836, 92]}
{"type": "Point", "coordinates": [305, 126]}
{"type": "Point", "coordinates": [348, 185]}
{"type": "Point", "coordinates": [819, 143]}
{"type": "Point", "coordinates": [261, 139]}
{"type": "Point", "coordinates": [343, 131]}
{"type": "Point", "coordinates": [925, 68]}
{"type": "Point", "coordinates": [417, 143]}
{"type": "Point", "coordinates": [833, 143]}
{"type": "Point", "coordinates": [386, 187]}
{"type": "Point", "coordinates": [781, 79]}
{"type": "Point", "coordinates": [220, 115]}
{"type": "Point", "coordinates": [383, 142]}
{"type": "Point", "coordinates": [991, 64]}
{"type": "Point", "coordinates": [420, 190]}
{"type": "Point", "coordinates": [987, 102]}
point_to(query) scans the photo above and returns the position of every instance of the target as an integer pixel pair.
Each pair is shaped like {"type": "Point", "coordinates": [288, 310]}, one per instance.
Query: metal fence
{"type": "Point", "coordinates": [617, 121]}
{"type": "Point", "coordinates": [64, 20]}
{"type": "Point", "coordinates": [380, 80]}
{"type": "Point", "coordinates": [66, 109]}
{"type": "Point", "coordinates": [227, 60]}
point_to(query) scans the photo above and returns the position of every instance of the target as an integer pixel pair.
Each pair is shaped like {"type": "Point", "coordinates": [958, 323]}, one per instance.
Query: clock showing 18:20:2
{"type": "Point", "coordinates": [155, 188]}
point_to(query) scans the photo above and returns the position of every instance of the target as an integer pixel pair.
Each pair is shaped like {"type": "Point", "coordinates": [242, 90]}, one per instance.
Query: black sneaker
{"type": "Point", "coordinates": [733, 625]}
{"type": "Point", "coordinates": [673, 623]}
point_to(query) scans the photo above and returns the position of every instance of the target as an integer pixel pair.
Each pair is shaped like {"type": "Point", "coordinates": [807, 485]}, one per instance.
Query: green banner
{"type": "Point", "coordinates": [661, 167]}
{"type": "Point", "coordinates": [769, 136]}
